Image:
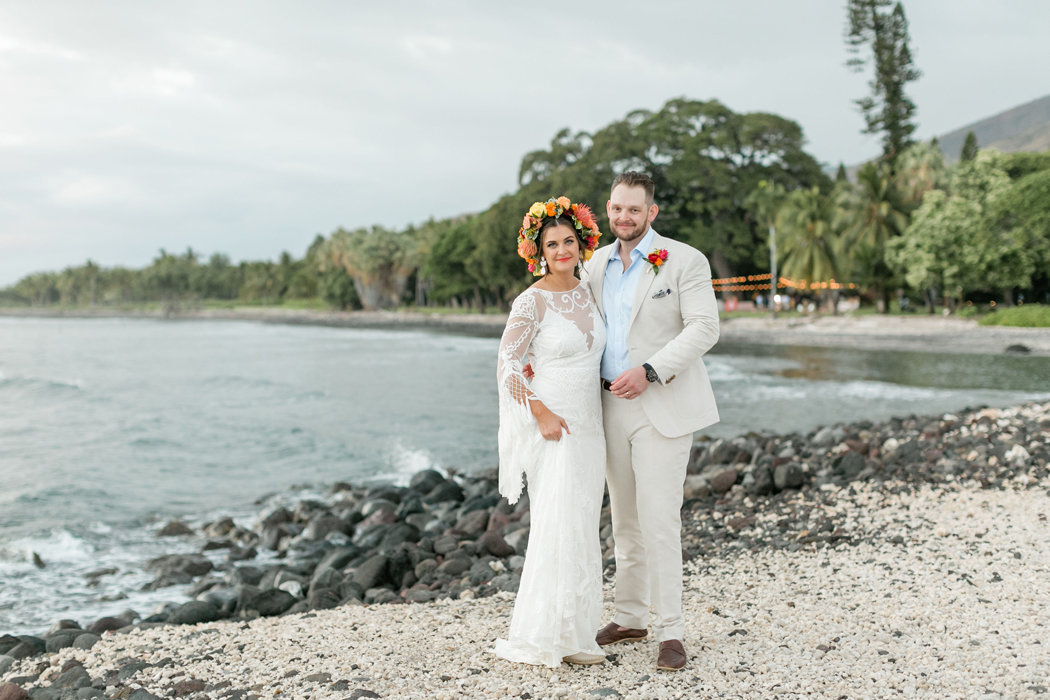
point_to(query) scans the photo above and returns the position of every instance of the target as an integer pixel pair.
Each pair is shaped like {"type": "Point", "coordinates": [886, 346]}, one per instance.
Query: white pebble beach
{"type": "Point", "coordinates": [958, 607]}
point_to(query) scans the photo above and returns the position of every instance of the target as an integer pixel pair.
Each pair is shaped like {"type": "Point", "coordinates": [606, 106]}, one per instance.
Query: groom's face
{"type": "Point", "coordinates": [629, 212]}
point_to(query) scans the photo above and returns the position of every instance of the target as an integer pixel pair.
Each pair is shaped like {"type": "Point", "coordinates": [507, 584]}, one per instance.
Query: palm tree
{"type": "Point", "coordinates": [920, 168]}
{"type": "Point", "coordinates": [380, 262]}
{"type": "Point", "coordinates": [766, 202]}
{"type": "Point", "coordinates": [868, 215]}
{"type": "Point", "coordinates": [810, 248]}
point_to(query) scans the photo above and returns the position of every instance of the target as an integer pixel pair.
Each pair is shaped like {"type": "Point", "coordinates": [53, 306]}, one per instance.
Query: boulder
{"type": "Point", "coordinates": [788, 476]}
{"type": "Point", "coordinates": [194, 612]}
{"type": "Point", "coordinates": [763, 483]}
{"type": "Point", "coordinates": [372, 572]}
{"type": "Point", "coordinates": [8, 642]}
{"type": "Point", "coordinates": [86, 640]}
{"type": "Point", "coordinates": [473, 523]}
{"type": "Point", "coordinates": [74, 676]}
{"type": "Point", "coordinates": [696, 486]}
{"type": "Point", "coordinates": [272, 602]}
{"type": "Point", "coordinates": [723, 481]}
{"type": "Point", "coordinates": [849, 465]}
{"type": "Point", "coordinates": [61, 640]}
{"type": "Point", "coordinates": [219, 528]}
{"type": "Point", "coordinates": [321, 526]}
{"type": "Point", "coordinates": [444, 492]}
{"type": "Point", "coordinates": [10, 691]}
{"type": "Point", "coordinates": [426, 481]}
{"type": "Point", "coordinates": [519, 539]}
{"type": "Point", "coordinates": [64, 624]}
{"type": "Point", "coordinates": [375, 504]}
{"type": "Point", "coordinates": [445, 544]}
{"type": "Point", "coordinates": [174, 528]}
{"type": "Point", "coordinates": [493, 543]}
{"type": "Point", "coordinates": [455, 566]}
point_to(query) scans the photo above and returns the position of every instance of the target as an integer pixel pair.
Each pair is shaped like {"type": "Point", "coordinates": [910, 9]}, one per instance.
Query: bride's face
{"type": "Point", "coordinates": [561, 248]}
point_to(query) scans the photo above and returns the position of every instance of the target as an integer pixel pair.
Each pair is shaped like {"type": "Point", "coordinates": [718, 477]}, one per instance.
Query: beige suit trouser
{"type": "Point", "coordinates": [646, 474]}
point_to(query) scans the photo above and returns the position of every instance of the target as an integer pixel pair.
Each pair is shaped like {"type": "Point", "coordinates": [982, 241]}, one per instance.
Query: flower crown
{"type": "Point", "coordinates": [582, 218]}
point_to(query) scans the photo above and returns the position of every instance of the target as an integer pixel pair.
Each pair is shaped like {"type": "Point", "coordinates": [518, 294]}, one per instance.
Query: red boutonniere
{"type": "Point", "coordinates": [657, 258]}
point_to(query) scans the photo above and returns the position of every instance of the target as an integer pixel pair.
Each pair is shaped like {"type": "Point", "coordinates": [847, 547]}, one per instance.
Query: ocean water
{"type": "Point", "coordinates": [109, 427]}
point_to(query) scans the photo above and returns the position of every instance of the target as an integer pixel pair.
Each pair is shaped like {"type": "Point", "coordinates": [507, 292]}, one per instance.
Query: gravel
{"type": "Point", "coordinates": [941, 591]}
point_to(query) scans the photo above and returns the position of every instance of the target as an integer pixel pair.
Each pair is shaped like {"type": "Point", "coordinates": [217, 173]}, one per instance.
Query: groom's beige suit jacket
{"type": "Point", "coordinates": [674, 321]}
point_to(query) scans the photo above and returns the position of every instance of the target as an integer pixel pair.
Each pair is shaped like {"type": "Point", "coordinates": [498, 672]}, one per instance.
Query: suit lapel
{"type": "Point", "coordinates": [596, 272]}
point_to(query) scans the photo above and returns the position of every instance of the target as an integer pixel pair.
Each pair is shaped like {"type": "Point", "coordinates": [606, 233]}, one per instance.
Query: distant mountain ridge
{"type": "Point", "coordinates": [1022, 128]}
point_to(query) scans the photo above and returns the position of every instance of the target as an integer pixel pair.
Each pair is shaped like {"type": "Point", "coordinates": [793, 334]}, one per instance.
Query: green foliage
{"type": "Point", "coordinates": [1022, 163]}
{"type": "Point", "coordinates": [1018, 230]}
{"type": "Point", "coordinates": [919, 169]}
{"type": "Point", "coordinates": [887, 110]}
{"type": "Point", "coordinates": [969, 147]}
{"type": "Point", "coordinates": [1027, 316]}
{"type": "Point", "coordinates": [869, 215]}
{"type": "Point", "coordinates": [704, 159]}
{"type": "Point", "coordinates": [337, 289]}
{"type": "Point", "coordinates": [982, 232]}
{"type": "Point", "coordinates": [445, 266]}
{"type": "Point", "coordinates": [809, 248]}
{"type": "Point", "coordinates": [930, 253]}
{"type": "Point", "coordinates": [171, 280]}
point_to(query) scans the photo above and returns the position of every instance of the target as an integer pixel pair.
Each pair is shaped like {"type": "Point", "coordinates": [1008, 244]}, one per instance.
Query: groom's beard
{"type": "Point", "coordinates": [630, 234]}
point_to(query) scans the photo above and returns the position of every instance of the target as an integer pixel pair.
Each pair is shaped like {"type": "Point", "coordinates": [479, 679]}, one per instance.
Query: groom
{"type": "Point", "coordinates": [659, 307]}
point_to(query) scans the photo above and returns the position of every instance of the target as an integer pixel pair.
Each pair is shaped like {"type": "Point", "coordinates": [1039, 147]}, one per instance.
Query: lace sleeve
{"type": "Point", "coordinates": [517, 427]}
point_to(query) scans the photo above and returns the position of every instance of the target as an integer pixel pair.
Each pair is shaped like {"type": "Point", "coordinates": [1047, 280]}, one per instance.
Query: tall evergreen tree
{"type": "Point", "coordinates": [969, 148]}
{"type": "Point", "coordinates": [840, 174]}
{"type": "Point", "coordinates": [887, 110]}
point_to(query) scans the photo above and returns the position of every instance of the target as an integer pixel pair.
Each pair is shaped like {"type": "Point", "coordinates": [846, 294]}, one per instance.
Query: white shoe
{"type": "Point", "coordinates": [582, 658]}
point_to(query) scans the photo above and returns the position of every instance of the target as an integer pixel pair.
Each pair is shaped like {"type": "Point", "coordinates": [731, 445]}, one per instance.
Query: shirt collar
{"type": "Point", "coordinates": [639, 251]}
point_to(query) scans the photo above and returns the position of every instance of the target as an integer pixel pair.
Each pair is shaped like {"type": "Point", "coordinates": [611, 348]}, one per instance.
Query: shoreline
{"type": "Point", "coordinates": [919, 333]}
{"type": "Point", "coordinates": [817, 563]}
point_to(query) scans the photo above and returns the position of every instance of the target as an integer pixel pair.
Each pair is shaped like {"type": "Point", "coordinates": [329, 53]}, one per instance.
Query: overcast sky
{"type": "Point", "coordinates": [249, 127]}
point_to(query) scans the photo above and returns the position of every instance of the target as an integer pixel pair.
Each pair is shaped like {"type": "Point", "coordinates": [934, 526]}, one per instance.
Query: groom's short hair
{"type": "Point", "coordinates": [633, 178]}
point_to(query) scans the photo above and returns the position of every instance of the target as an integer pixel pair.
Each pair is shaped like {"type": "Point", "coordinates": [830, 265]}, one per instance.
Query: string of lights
{"type": "Point", "coordinates": [754, 283]}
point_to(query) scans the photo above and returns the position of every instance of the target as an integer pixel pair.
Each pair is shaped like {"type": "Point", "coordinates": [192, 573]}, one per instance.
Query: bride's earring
{"type": "Point", "coordinates": [543, 266]}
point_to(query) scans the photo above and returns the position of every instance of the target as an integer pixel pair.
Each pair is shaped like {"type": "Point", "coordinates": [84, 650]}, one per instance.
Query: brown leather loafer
{"type": "Point", "coordinates": [613, 633]}
{"type": "Point", "coordinates": [672, 656]}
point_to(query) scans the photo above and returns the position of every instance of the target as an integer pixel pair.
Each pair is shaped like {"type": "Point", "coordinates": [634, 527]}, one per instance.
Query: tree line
{"type": "Point", "coordinates": [725, 182]}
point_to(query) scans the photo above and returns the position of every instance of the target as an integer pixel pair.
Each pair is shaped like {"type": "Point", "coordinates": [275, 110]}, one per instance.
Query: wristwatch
{"type": "Point", "coordinates": [650, 373]}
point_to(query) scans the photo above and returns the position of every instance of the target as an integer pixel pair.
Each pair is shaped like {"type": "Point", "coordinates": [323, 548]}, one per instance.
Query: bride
{"type": "Point", "coordinates": [551, 431]}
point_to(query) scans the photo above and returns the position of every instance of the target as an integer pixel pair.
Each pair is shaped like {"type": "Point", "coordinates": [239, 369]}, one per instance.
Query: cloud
{"type": "Point", "coordinates": [11, 243]}
{"type": "Point", "coordinates": [90, 190]}
{"type": "Point", "coordinates": [426, 47]}
{"type": "Point", "coordinates": [12, 45]}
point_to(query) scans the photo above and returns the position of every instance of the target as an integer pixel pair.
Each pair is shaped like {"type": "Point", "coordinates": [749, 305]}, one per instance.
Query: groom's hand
{"type": "Point", "coordinates": [631, 384]}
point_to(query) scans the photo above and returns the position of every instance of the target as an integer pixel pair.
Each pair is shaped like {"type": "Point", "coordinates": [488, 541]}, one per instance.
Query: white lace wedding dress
{"type": "Point", "coordinates": [559, 603]}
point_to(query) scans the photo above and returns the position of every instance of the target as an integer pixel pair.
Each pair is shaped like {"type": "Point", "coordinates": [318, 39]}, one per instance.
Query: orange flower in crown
{"type": "Point", "coordinates": [582, 220]}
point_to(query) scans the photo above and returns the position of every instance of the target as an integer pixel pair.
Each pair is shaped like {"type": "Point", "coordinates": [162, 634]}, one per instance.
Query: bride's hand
{"type": "Point", "coordinates": [551, 425]}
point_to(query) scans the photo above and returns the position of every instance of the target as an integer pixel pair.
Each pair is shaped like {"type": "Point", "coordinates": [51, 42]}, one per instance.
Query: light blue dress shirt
{"type": "Point", "coordinates": [618, 292]}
